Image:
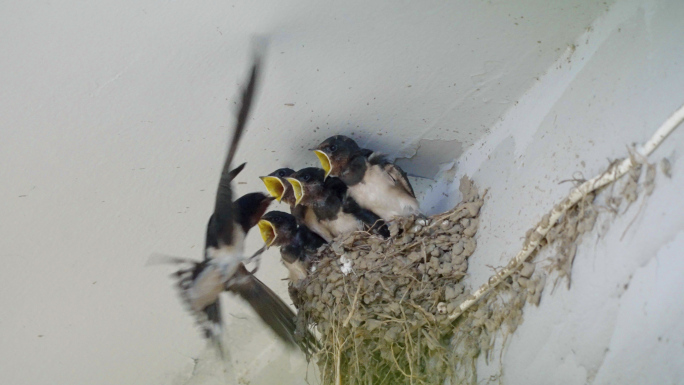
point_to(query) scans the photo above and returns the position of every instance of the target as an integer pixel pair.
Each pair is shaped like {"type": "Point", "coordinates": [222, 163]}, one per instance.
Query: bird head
{"type": "Point", "coordinates": [277, 228]}
{"type": "Point", "coordinates": [306, 182]}
{"type": "Point", "coordinates": [277, 186]}
{"type": "Point", "coordinates": [335, 153]}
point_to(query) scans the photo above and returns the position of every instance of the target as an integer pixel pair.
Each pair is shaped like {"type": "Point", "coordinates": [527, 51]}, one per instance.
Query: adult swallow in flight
{"type": "Point", "coordinates": [374, 182]}
{"type": "Point", "coordinates": [332, 211]}
{"type": "Point", "coordinates": [223, 268]}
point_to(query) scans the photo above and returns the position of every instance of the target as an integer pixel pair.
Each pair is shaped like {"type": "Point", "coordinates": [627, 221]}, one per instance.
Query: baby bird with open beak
{"type": "Point", "coordinates": [332, 211]}
{"type": "Point", "coordinates": [374, 182]}
{"type": "Point", "coordinates": [298, 245]}
{"type": "Point", "coordinates": [280, 188]}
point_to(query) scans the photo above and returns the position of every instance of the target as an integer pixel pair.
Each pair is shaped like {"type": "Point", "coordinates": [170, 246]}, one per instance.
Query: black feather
{"type": "Point", "coordinates": [272, 310]}
{"type": "Point", "coordinates": [223, 209]}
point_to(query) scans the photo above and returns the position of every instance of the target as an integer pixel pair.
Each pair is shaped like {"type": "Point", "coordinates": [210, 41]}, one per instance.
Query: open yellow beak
{"type": "Point", "coordinates": [297, 188]}
{"type": "Point", "coordinates": [267, 231]}
{"type": "Point", "coordinates": [274, 186]}
{"type": "Point", "coordinates": [325, 161]}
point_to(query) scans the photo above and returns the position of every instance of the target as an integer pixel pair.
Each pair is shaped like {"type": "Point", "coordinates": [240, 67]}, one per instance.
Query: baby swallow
{"type": "Point", "coordinates": [298, 244]}
{"type": "Point", "coordinates": [332, 212]}
{"type": "Point", "coordinates": [374, 182]}
{"type": "Point", "coordinates": [223, 268]}
{"type": "Point", "coordinates": [298, 247]}
{"type": "Point", "coordinates": [280, 188]}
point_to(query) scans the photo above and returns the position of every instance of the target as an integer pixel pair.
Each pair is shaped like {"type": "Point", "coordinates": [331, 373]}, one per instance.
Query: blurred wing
{"type": "Point", "coordinates": [234, 172]}
{"type": "Point", "coordinates": [224, 197]}
{"type": "Point", "coordinates": [200, 285]}
{"type": "Point", "coordinates": [272, 310]}
{"type": "Point", "coordinates": [213, 325]}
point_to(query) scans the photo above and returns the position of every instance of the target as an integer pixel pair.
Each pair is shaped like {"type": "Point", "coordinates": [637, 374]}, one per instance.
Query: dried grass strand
{"type": "Point", "coordinates": [614, 172]}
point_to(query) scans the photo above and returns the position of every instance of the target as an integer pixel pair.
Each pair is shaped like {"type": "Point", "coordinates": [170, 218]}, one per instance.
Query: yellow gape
{"type": "Point", "coordinates": [268, 232]}
{"type": "Point", "coordinates": [325, 161]}
{"type": "Point", "coordinates": [297, 188]}
{"type": "Point", "coordinates": [274, 186]}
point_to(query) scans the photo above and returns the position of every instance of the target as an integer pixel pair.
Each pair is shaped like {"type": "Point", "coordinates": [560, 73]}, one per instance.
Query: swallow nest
{"type": "Point", "coordinates": [381, 306]}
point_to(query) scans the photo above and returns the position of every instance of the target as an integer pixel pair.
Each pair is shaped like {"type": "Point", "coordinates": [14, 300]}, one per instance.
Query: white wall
{"type": "Point", "coordinates": [114, 118]}
{"type": "Point", "coordinates": [620, 321]}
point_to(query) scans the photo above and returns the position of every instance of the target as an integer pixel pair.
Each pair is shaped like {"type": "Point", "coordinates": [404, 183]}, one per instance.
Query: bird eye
{"type": "Point", "coordinates": [281, 173]}
{"type": "Point", "coordinates": [333, 147]}
{"type": "Point", "coordinates": [307, 177]}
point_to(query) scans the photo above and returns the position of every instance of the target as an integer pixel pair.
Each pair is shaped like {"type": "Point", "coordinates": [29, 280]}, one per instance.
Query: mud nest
{"type": "Point", "coordinates": [381, 306]}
